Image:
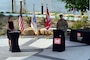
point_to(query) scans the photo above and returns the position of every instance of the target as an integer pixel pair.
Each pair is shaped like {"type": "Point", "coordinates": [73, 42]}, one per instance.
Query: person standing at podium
{"type": "Point", "coordinates": [10, 27]}
{"type": "Point", "coordinates": [62, 25]}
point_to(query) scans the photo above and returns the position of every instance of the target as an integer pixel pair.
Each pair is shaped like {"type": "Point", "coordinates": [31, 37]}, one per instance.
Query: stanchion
{"type": "Point", "coordinates": [46, 35]}
{"type": "Point", "coordinates": [36, 35]}
{"type": "Point", "coordinates": [21, 33]}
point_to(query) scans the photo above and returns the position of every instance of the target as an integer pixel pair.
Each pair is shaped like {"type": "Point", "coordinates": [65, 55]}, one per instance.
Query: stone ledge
{"type": "Point", "coordinates": [42, 31]}
{"type": "Point", "coordinates": [28, 31]}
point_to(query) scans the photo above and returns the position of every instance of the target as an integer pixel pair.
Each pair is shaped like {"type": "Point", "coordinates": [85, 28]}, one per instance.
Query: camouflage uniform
{"type": "Point", "coordinates": [62, 25]}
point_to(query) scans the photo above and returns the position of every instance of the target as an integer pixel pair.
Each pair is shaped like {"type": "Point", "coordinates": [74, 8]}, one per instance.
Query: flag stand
{"type": "Point", "coordinates": [36, 35]}
{"type": "Point", "coordinates": [46, 36]}
{"type": "Point", "coordinates": [34, 23]}
{"type": "Point", "coordinates": [21, 33]}
{"type": "Point", "coordinates": [47, 22]}
{"type": "Point", "coordinates": [21, 27]}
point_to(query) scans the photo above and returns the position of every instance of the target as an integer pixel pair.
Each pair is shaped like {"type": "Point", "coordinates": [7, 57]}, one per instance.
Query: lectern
{"type": "Point", "coordinates": [14, 35]}
{"type": "Point", "coordinates": [58, 40]}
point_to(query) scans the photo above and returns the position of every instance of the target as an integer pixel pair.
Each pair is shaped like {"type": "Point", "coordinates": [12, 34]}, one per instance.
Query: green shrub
{"type": "Point", "coordinates": [1, 14]}
{"type": "Point", "coordinates": [56, 16]}
{"type": "Point", "coordinates": [8, 12]}
{"type": "Point", "coordinates": [79, 24]}
{"type": "Point", "coordinates": [11, 15]}
{"type": "Point", "coordinates": [0, 23]}
{"type": "Point", "coordinates": [2, 32]}
{"type": "Point", "coordinates": [13, 12]}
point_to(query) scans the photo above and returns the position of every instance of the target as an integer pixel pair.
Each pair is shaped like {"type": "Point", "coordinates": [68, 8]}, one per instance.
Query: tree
{"type": "Point", "coordinates": [79, 5]}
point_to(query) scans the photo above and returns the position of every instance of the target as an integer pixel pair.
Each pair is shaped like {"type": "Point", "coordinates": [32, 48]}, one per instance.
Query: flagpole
{"type": "Point", "coordinates": [42, 7]}
{"type": "Point", "coordinates": [20, 15]}
{"type": "Point", "coordinates": [21, 27]}
{"type": "Point", "coordinates": [20, 7]}
{"type": "Point", "coordinates": [34, 8]}
{"type": "Point", "coordinates": [48, 21]}
{"type": "Point", "coordinates": [45, 23]}
{"type": "Point", "coordinates": [34, 13]}
{"type": "Point", "coordinates": [33, 23]}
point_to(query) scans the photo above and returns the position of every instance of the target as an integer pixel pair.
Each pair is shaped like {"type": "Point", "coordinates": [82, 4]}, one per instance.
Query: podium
{"type": "Point", "coordinates": [14, 35]}
{"type": "Point", "coordinates": [58, 40]}
{"type": "Point", "coordinates": [80, 35]}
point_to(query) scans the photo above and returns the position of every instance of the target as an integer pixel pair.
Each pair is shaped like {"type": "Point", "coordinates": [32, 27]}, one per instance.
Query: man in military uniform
{"type": "Point", "coordinates": [62, 24]}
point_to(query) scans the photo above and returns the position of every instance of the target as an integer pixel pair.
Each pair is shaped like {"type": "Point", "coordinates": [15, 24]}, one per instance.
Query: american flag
{"type": "Point", "coordinates": [33, 22]}
{"type": "Point", "coordinates": [21, 24]}
{"type": "Point", "coordinates": [47, 20]}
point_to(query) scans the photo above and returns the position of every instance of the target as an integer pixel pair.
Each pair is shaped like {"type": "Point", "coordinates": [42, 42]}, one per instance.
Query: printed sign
{"type": "Point", "coordinates": [57, 40]}
{"type": "Point", "coordinates": [79, 37]}
{"type": "Point", "coordinates": [78, 34]}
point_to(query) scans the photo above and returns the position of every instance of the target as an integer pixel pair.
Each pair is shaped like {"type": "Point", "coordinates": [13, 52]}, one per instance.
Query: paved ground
{"type": "Point", "coordinates": [33, 48]}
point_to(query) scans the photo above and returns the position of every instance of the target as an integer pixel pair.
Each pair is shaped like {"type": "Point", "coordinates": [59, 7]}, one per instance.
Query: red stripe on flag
{"type": "Point", "coordinates": [21, 26]}
{"type": "Point", "coordinates": [47, 21]}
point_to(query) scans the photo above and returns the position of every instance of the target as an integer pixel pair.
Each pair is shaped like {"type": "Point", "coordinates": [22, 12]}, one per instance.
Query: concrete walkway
{"type": "Point", "coordinates": [33, 48]}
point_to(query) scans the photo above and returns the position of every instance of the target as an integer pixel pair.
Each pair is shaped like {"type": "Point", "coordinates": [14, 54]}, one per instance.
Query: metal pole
{"type": "Point", "coordinates": [20, 7]}
{"type": "Point", "coordinates": [42, 7]}
{"type": "Point", "coordinates": [12, 6]}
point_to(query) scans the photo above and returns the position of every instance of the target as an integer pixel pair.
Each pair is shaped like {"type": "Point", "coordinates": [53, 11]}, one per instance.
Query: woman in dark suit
{"type": "Point", "coordinates": [10, 27]}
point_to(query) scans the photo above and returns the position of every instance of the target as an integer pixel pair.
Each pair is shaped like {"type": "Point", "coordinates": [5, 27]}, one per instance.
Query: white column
{"type": "Point", "coordinates": [88, 15]}
{"type": "Point", "coordinates": [23, 4]}
{"type": "Point", "coordinates": [14, 5]}
{"type": "Point", "coordinates": [89, 11]}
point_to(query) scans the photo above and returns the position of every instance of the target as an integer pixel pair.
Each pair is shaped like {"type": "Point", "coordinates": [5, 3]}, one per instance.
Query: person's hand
{"type": "Point", "coordinates": [12, 29]}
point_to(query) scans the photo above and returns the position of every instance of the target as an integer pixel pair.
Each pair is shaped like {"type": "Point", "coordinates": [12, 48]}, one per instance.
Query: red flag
{"type": "Point", "coordinates": [21, 26]}
{"type": "Point", "coordinates": [47, 20]}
